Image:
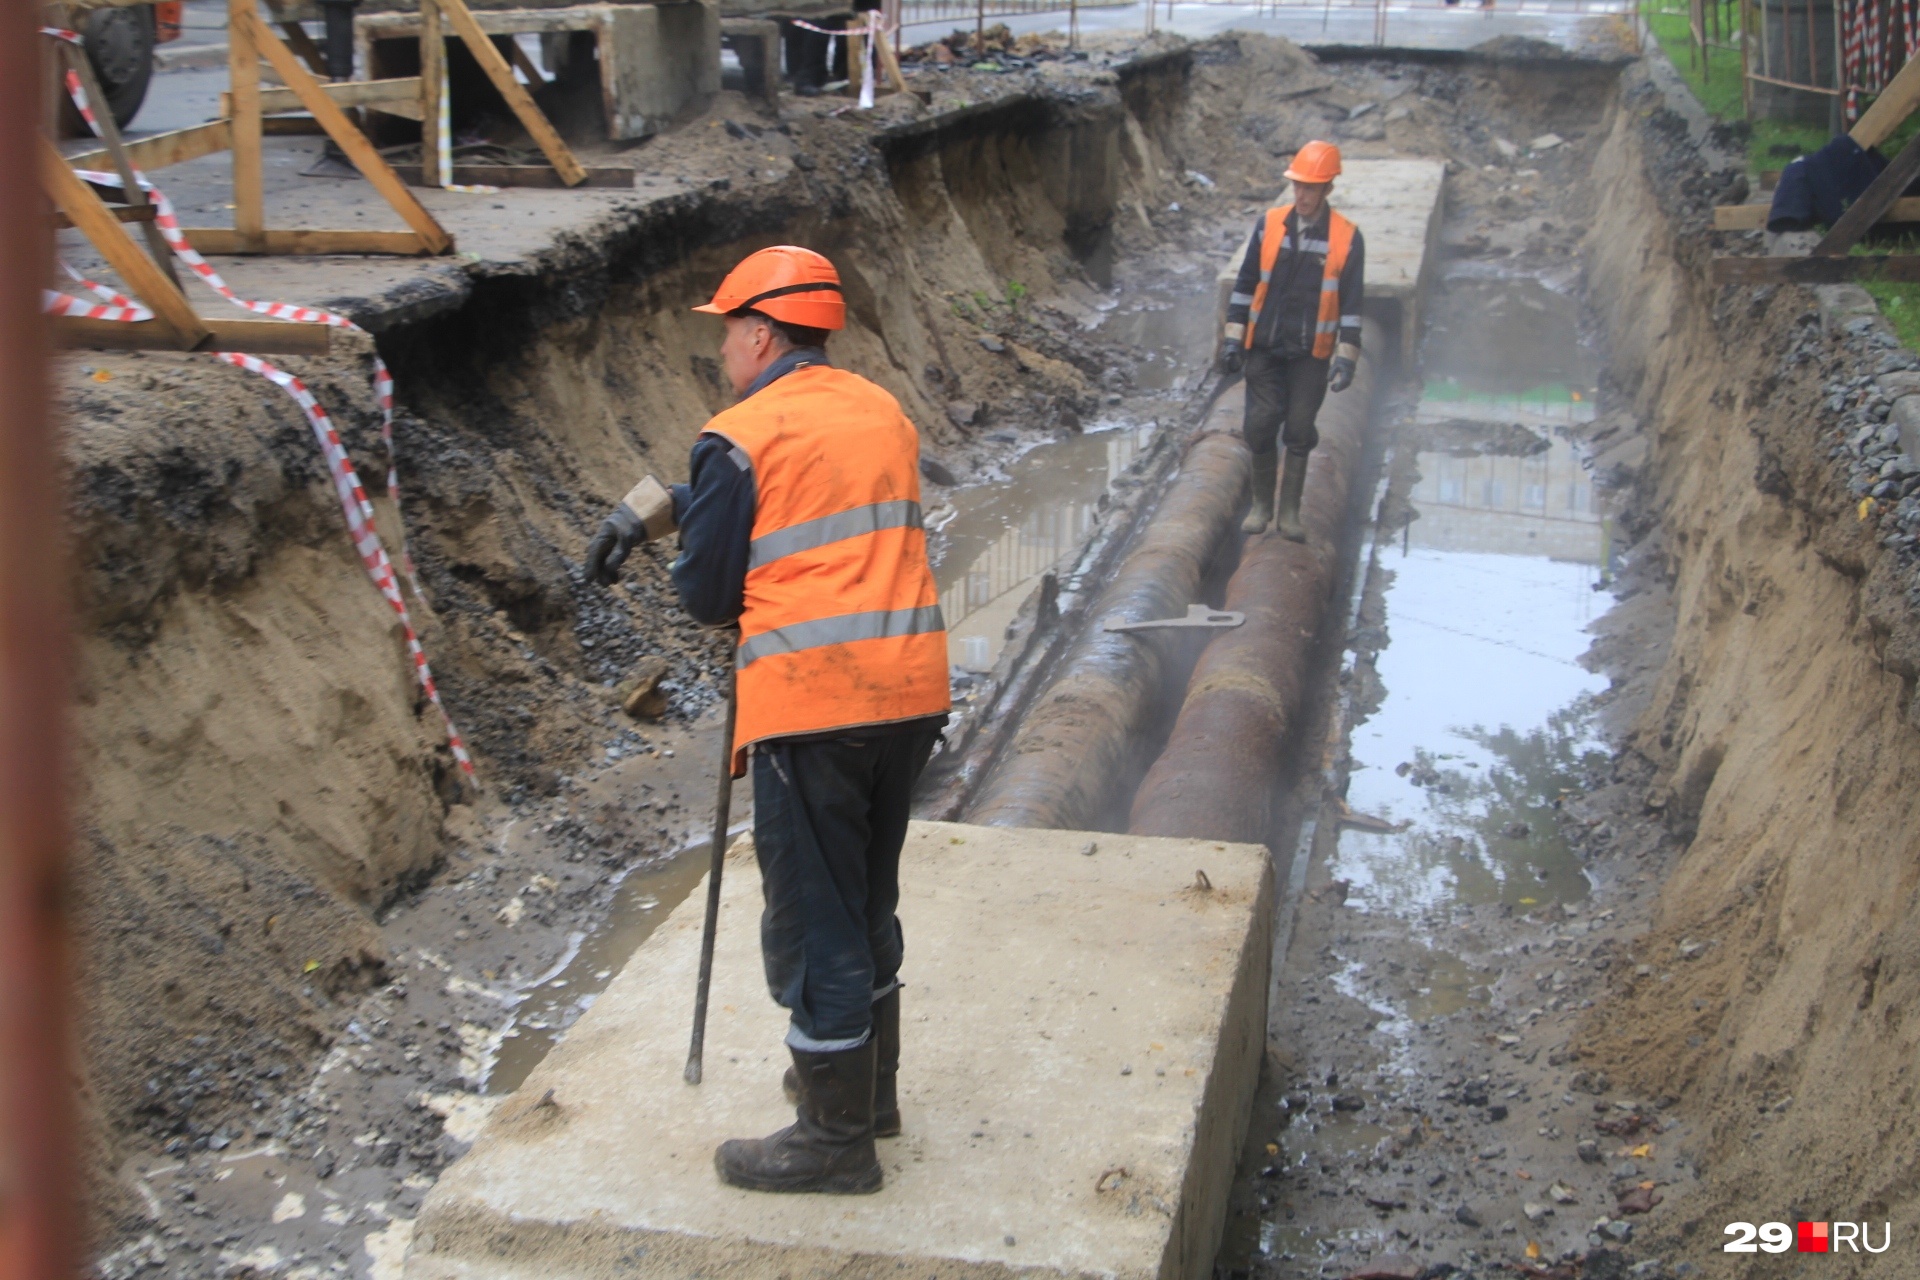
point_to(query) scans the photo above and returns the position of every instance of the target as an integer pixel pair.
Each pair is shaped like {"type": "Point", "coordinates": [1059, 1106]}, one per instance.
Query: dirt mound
{"type": "Point", "coordinates": [1772, 994]}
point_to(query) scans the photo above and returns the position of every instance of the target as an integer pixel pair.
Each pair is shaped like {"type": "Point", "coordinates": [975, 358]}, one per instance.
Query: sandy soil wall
{"type": "Point", "coordinates": [1773, 994]}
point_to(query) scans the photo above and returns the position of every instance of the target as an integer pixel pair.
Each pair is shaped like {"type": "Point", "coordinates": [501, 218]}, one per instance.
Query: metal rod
{"type": "Point", "coordinates": [40, 1228]}
{"type": "Point", "coordinates": [722, 813]}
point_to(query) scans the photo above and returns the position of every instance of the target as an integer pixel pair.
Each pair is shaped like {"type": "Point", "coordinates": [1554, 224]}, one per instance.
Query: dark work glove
{"type": "Point", "coordinates": [619, 534]}
{"type": "Point", "coordinates": [1340, 374]}
{"type": "Point", "coordinates": [1233, 357]}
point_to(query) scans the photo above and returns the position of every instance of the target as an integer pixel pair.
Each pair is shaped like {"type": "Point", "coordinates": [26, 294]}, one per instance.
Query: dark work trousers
{"type": "Point", "coordinates": [1283, 399]}
{"type": "Point", "coordinates": [828, 822]}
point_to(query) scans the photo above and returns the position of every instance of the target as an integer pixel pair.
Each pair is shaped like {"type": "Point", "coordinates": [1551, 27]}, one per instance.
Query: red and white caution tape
{"type": "Point", "coordinates": [353, 499]}
{"type": "Point", "coordinates": [359, 514]}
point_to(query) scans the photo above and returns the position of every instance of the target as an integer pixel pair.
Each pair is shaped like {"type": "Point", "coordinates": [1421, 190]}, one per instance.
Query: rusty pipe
{"type": "Point", "coordinates": [1083, 741]}
{"type": "Point", "coordinates": [39, 1222]}
{"type": "Point", "coordinates": [1219, 771]}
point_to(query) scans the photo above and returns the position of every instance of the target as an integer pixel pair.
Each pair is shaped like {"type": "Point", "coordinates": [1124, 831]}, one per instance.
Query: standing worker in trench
{"type": "Point", "coordinates": [1293, 323]}
{"type": "Point", "coordinates": [802, 523]}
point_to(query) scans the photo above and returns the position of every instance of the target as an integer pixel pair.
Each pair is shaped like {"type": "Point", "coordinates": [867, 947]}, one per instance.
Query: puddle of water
{"type": "Point", "coordinates": [1002, 537]}
{"type": "Point", "coordinates": [1486, 717]}
{"type": "Point", "coordinates": [645, 899]}
{"type": "Point", "coordinates": [1164, 331]}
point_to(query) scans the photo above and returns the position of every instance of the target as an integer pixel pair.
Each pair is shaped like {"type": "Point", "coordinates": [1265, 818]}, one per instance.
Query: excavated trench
{"type": "Point", "coordinates": [305, 994]}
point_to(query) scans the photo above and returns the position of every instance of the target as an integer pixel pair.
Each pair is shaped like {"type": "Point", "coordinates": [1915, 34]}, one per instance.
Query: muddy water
{"type": "Point", "coordinates": [1482, 722]}
{"type": "Point", "coordinates": [1491, 591]}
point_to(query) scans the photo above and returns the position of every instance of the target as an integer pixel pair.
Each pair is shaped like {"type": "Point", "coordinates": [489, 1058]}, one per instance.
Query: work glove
{"type": "Point", "coordinates": [1340, 373]}
{"type": "Point", "coordinates": [646, 513]}
{"type": "Point", "coordinates": [1233, 349]}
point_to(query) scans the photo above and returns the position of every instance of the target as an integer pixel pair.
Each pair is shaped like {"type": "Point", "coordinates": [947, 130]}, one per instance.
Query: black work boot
{"type": "Point", "coordinates": [1291, 486]}
{"type": "Point", "coordinates": [829, 1147]}
{"type": "Point", "coordinates": [886, 1040]}
{"type": "Point", "coordinates": [1261, 509]}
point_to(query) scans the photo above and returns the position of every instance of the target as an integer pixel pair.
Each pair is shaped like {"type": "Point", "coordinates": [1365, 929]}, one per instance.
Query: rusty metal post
{"type": "Point", "coordinates": [39, 1222]}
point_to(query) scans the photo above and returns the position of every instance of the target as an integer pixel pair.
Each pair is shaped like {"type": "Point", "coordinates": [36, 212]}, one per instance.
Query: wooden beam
{"type": "Point", "coordinates": [1873, 203]}
{"type": "Point", "coordinates": [222, 240]}
{"type": "Point", "coordinates": [519, 58]}
{"type": "Point", "coordinates": [371, 164]}
{"type": "Point", "coordinates": [109, 129]}
{"type": "Point", "coordinates": [123, 212]}
{"type": "Point", "coordinates": [1895, 103]}
{"type": "Point", "coordinates": [142, 276]}
{"type": "Point", "coordinates": [531, 118]}
{"type": "Point", "coordinates": [163, 149]}
{"type": "Point", "coordinates": [386, 95]}
{"type": "Point", "coordinates": [243, 80]}
{"type": "Point", "coordinates": [891, 61]}
{"type": "Point", "coordinates": [261, 337]}
{"type": "Point", "coordinates": [301, 43]}
{"type": "Point", "coordinates": [1753, 217]}
{"type": "Point", "coordinates": [517, 175]}
{"type": "Point", "coordinates": [433, 63]}
{"type": "Point", "coordinates": [1901, 268]}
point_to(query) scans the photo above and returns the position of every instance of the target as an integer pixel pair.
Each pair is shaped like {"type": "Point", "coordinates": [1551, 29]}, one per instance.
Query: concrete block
{"type": "Point", "coordinates": [756, 42]}
{"type": "Point", "coordinates": [665, 59]}
{"type": "Point", "coordinates": [1906, 416]}
{"type": "Point", "coordinates": [1082, 1033]}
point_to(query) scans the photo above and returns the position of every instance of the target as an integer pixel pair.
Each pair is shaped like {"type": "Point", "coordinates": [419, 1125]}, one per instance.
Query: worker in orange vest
{"type": "Point", "coordinates": [801, 522]}
{"type": "Point", "coordinates": [1293, 323]}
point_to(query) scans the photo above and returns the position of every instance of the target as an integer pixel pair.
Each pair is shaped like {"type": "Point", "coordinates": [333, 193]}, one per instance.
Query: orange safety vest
{"type": "Point", "coordinates": [1274, 238]}
{"type": "Point", "coordinates": [841, 624]}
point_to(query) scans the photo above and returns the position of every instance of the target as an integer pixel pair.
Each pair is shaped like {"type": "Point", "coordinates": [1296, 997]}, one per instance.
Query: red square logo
{"type": "Point", "coordinates": [1813, 1237]}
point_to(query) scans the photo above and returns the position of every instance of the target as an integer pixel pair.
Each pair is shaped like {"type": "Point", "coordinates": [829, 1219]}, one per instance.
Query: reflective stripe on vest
{"type": "Point", "coordinates": [1339, 241]}
{"type": "Point", "coordinates": [840, 624]}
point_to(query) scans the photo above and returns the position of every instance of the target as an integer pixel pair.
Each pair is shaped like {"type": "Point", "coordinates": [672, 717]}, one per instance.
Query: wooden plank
{"type": "Point", "coordinates": [1895, 103]}
{"type": "Point", "coordinates": [558, 154]}
{"type": "Point", "coordinates": [109, 130]}
{"type": "Point", "coordinates": [223, 240]}
{"type": "Point", "coordinates": [518, 175]}
{"type": "Point", "coordinates": [371, 164]}
{"type": "Point", "coordinates": [261, 337]}
{"type": "Point", "coordinates": [163, 149]}
{"type": "Point", "coordinates": [243, 81]}
{"type": "Point", "coordinates": [124, 212]}
{"type": "Point", "coordinates": [142, 276]}
{"type": "Point", "coordinates": [1902, 268]}
{"type": "Point", "coordinates": [301, 43]}
{"type": "Point", "coordinates": [499, 22]}
{"type": "Point", "coordinates": [1872, 203]}
{"type": "Point", "coordinates": [519, 58]}
{"type": "Point", "coordinates": [891, 61]}
{"type": "Point", "coordinates": [433, 62]}
{"type": "Point", "coordinates": [402, 93]}
{"type": "Point", "coordinates": [1753, 217]}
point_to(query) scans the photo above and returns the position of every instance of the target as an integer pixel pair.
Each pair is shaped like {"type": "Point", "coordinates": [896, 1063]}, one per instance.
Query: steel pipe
{"type": "Point", "coordinates": [1085, 740]}
{"type": "Point", "coordinates": [1220, 769]}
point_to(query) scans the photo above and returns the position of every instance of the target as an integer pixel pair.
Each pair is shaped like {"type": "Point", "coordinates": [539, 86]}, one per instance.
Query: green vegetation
{"type": "Point", "coordinates": [1772, 144]}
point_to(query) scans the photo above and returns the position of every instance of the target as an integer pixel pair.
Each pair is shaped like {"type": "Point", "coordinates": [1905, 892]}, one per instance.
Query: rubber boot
{"type": "Point", "coordinates": [829, 1146]}
{"type": "Point", "coordinates": [886, 1042]}
{"type": "Point", "coordinates": [1291, 486]}
{"type": "Point", "coordinates": [1265, 465]}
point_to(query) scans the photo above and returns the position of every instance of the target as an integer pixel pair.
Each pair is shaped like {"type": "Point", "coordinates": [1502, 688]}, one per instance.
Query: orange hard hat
{"type": "Point", "coordinates": [1315, 162]}
{"type": "Point", "coordinates": [786, 282]}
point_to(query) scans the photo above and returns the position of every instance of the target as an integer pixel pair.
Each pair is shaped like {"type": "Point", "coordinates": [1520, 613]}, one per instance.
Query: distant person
{"type": "Point", "coordinates": [1293, 323]}
{"type": "Point", "coordinates": [802, 524]}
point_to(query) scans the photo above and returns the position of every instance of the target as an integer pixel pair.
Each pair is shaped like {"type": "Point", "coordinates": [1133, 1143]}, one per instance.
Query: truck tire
{"type": "Point", "coordinates": [119, 41]}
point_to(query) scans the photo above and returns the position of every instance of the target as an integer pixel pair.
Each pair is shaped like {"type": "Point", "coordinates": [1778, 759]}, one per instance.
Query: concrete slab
{"type": "Point", "coordinates": [1081, 1037]}
{"type": "Point", "coordinates": [1397, 205]}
